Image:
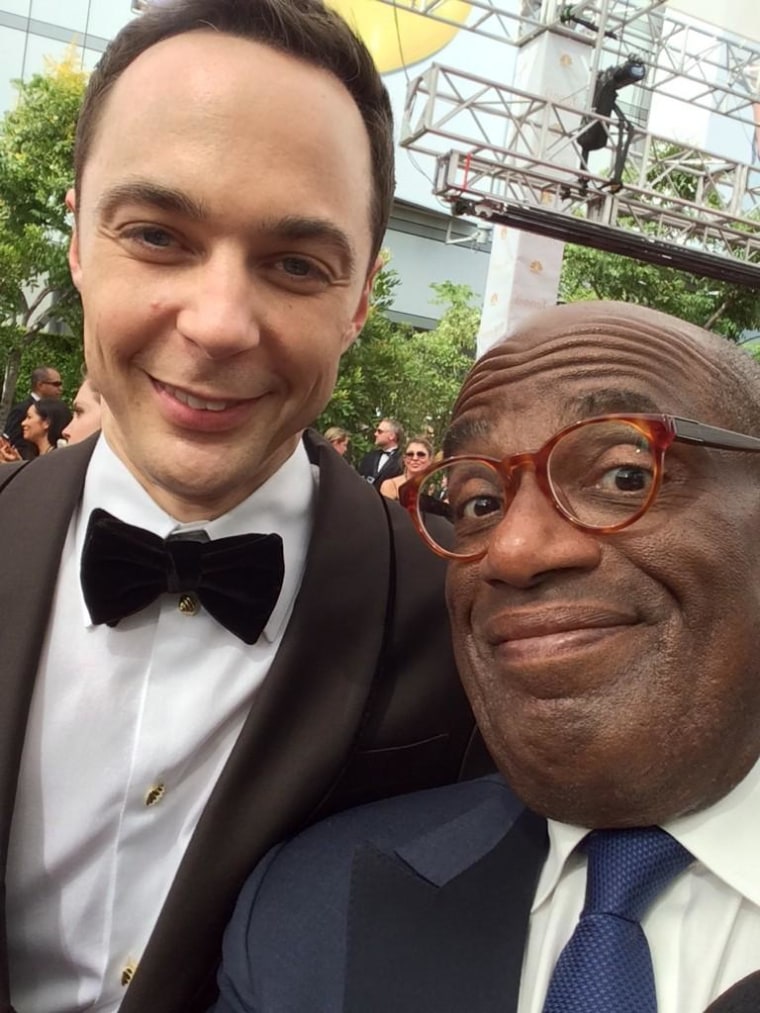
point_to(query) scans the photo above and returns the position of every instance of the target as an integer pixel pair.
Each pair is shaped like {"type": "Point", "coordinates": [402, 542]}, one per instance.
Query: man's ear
{"type": "Point", "coordinates": [75, 266]}
{"type": "Point", "coordinates": [362, 308]}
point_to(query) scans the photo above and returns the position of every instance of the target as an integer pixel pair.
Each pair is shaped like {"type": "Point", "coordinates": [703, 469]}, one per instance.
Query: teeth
{"type": "Point", "coordinates": [197, 403]}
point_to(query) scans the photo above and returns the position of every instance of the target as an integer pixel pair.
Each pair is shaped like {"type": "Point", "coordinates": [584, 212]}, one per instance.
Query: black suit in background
{"type": "Point", "coordinates": [357, 705]}
{"type": "Point", "coordinates": [16, 416]}
{"type": "Point", "coordinates": [371, 470]}
{"type": "Point", "coordinates": [414, 905]}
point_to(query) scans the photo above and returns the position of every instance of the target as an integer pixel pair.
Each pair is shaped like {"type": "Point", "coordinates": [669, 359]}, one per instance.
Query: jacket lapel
{"type": "Point", "coordinates": [294, 742]}
{"type": "Point", "coordinates": [33, 524]}
{"type": "Point", "coordinates": [743, 997]}
{"type": "Point", "coordinates": [416, 943]}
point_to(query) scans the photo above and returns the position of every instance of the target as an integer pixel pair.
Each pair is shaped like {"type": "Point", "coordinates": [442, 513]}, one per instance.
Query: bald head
{"type": "Point", "coordinates": [597, 337]}
{"type": "Point", "coordinates": [610, 689]}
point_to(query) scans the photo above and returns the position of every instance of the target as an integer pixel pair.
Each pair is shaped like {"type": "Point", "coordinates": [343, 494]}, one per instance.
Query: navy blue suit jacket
{"type": "Point", "coordinates": [415, 905]}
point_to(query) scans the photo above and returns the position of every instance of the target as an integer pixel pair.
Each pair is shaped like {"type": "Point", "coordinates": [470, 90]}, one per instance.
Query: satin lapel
{"type": "Point", "coordinates": [743, 997]}
{"type": "Point", "coordinates": [35, 510]}
{"type": "Point", "coordinates": [294, 741]}
{"type": "Point", "coordinates": [414, 946]}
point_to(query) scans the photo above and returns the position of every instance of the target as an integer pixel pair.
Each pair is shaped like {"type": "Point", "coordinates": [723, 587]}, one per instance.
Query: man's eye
{"type": "Point", "coordinates": [297, 266]}
{"type": "Point", "coordinates": [626, 478]}
{"type": "Point", "coordinates": [151, 236]}
{"type": "Point", "coordinates": [478, 507]}
{"type": "Point", "coordinates": [301, 268]}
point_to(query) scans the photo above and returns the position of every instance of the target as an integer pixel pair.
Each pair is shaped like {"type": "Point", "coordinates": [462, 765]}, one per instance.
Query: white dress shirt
{"type": "Point", "coordinates": [703, 931]}
{"type": "Point", "coordinates": [128, 732]}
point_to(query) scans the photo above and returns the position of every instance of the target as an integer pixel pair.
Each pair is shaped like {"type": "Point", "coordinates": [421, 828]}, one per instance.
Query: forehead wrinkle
{"type": "Point", "coordinates": [686, 348]}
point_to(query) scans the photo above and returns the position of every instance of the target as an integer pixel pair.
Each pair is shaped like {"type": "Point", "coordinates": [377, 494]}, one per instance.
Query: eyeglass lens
{"type": "Point", "coordinates": [600, 474]}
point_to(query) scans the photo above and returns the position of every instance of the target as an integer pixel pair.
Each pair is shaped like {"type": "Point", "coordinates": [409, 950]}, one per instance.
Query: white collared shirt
{"type": "Point", "coordinates": [128, 732]}
{"type": "Point", "coordinates": [703, 931]}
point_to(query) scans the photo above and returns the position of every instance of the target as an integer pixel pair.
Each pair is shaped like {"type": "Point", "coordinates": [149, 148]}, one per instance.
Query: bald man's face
{"type": "Point", "coordinates": [616, 678]}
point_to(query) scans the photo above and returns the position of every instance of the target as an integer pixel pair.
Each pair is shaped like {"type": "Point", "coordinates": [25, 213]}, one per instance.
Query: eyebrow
{"type": "Point", "coordinates": [290, 228]}
{"type": "Point", "coordinates": [613, 401]}
{"type": "Point", "coordinates": [164, 198]}
{"type": "Point", "coordinates": [465, 431]}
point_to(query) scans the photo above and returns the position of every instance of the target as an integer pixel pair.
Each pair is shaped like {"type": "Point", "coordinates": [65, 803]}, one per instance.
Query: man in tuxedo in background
{"type": "Point", "coordinates": [45, 382]}
{"type": "Point", "coordinates": [193, 667]}
{"type": "Point", "coordinates": [386, 460]}
{"type": "Point", "coordinates": [604, 591]}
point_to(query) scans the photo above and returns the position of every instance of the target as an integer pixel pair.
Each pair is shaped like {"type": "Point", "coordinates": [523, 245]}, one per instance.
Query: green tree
{"type": "Point", "coordinates": [40, 312]}
{"type": "Point", "coordinates": [445, 354]}
{"type": "Point", "coordinates": [393, 370]}
{"type": "Point", "coordinates": [593, 274]}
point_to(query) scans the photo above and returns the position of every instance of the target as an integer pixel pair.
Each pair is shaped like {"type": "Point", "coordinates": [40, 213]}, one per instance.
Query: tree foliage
{"type": "Point", "coordinates": [40, 312]}
{"type": "Point", "coordinates": [719, 306]}
{"type": "Point", "coordinates": [393, 370]}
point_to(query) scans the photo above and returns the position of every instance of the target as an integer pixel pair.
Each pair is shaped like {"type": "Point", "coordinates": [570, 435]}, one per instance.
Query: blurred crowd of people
{"type": "Point", "coordinates": [43, 421]}
{"type": "Point", "coordinates": [387, 466]}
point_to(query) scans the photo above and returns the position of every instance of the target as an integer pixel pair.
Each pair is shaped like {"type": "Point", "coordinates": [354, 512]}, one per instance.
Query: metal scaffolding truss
{"type": "Point", "coordinates": [686, 60]}
{"type": "Point", "coordinates": [498, 19]}
{"type": "Point", "coordinates": [510, 156]}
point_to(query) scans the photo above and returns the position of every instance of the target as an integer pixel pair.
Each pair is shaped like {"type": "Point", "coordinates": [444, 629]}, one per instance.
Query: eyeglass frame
{"type": "Point", "coordinates": [661, 431]}
{"type": "Point", "coordinates": [416, 454]}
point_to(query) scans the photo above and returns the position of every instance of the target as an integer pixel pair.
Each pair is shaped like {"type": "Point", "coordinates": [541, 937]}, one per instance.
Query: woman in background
{"type": "Point", "coordinates": [44, 423]}
{"type": "Point", "coordinates": [417, 456]}
{"type": "Point", "coordinates": [339, 439]}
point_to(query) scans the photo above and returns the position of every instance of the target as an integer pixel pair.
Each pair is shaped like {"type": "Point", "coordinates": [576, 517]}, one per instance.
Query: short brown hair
{"type": "Point", "coordinates": [423, 441]}
{"type": "Point", "coordinates": [304, 29]}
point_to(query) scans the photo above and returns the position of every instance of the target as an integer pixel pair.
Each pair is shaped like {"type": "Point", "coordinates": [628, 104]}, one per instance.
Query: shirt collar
{"type": "Point", "coordinates": [723, 838]}
{"type": "Point", "coordinates": [283, 505]}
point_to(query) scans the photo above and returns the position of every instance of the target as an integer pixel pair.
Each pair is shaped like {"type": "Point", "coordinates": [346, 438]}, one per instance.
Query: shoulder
{"type": "Point", "coordinates": [390, 487]}
{"type": "Point", "coordinates": [395, 822]}
{"type": "Point", "coordinates": [23, 405]}
{"type": "Point", "coordinates": [316, 865]}
{"type": "Point", "coordinates": [293, 911]}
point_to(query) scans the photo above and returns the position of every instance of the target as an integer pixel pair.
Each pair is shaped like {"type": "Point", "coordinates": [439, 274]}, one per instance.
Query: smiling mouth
{"type": "Point", "coordinates": [557, 625]}
{"type": "Point", "coordinates": [199, 404]}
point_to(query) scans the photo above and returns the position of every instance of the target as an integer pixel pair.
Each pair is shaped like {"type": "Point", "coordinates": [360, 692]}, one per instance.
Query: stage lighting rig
{"type": "Point", "coordinates": [604, 103]}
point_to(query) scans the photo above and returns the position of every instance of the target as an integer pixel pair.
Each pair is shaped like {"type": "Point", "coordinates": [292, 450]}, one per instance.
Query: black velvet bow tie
{"type": "Point", "coordinates": [124, 569]}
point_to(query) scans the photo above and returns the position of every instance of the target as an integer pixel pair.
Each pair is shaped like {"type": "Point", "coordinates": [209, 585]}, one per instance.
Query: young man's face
{"type": "Point", "coordinates": [222, 250]}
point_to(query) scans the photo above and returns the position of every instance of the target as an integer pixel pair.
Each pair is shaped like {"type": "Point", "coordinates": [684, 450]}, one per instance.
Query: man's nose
{"type": "Point", "coordinates": [222, 313]}
{"type": "Point", "coordinates": [533, 540]}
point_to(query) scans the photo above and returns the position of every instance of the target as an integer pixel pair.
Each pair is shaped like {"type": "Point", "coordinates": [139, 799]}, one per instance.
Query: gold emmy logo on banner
{"type": "Point", "coordinates": [396, 36]}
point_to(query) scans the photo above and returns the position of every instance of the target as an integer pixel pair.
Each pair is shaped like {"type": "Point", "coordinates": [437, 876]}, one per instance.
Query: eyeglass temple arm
{"type": "Point", "coordinates": [689, 431]}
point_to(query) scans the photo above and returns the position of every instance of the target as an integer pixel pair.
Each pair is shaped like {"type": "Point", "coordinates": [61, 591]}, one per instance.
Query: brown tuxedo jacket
{"type": "Point", "coordinates": [362, 700]}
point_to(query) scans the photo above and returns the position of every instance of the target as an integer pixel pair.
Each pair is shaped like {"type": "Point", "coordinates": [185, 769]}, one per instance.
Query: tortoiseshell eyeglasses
{"type": "Point", "coordinates": [601, 474]}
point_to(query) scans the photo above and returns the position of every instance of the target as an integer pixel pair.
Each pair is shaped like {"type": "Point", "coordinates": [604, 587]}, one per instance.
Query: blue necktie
{"type": "Point", "coordinates": [606, 966]}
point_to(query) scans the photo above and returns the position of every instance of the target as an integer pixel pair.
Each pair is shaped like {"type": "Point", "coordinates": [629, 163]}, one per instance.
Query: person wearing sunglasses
{"type": "Point", "coordinates": [417, 456]}
{"type": "Point", "coordinates": [45, 383]}
{"type": "Point", "coordinates": [602, 479]}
